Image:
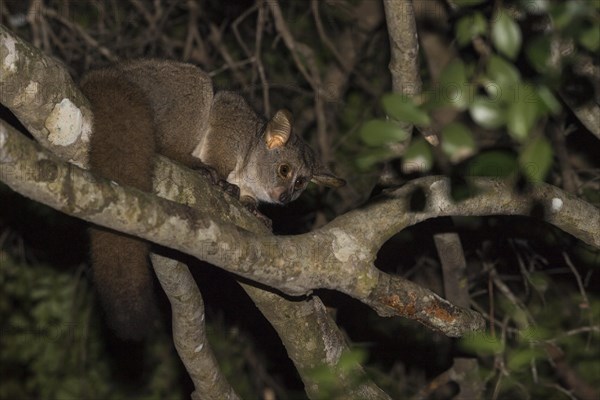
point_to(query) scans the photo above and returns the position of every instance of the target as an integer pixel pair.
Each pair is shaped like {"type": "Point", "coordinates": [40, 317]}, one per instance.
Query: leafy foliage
{"type": "Point", "coordinates": [52, 340]}
{"type": "Point", "coordinates": [521, 360]}
{"type": "Point", "coordinates": [510, 87]}
{"type": "Point", "coordinates": [327, 378]}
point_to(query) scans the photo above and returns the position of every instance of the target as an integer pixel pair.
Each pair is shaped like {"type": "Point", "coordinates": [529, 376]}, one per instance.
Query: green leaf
{"type": "Point", "coordinates": [523, 113]}
{"type": "Point", "coordinates": [538, 53]}
{"type": "Point", "coordinates": [506, 35]}
{"type": "Point", "coordinates": [487, 113]}
{"type": "Point", "coordinates": [561, 18]}
{"type": "Point", "coordinates": [504, 80]}
{"type": "Point", "coordinates": [369, 158]}
{"type": "Point", "coordinates": [351, 358]}
{"type": "Point", "coordinates": [404, 109]}
{"type": "Point", "coordinates": [493, 163]}
{"type": "Point", "coordinates": [548, 100]}
{"type": "Point", "coordinates": [590, 38]}
{"type": "Point", "coordinates": [379, 132]}
{"type": "Point", "coordinates": [469, 27]}
{"type": "Point", "coordinates": [518, 359]}
{"type": "Point", "coordinates": [482, 344]}
{"type": "Point", "coordinates": [454, 85]}
{"type": "Point", "coordinates": [536, 158]}
{"type": "Point", "coordinates": [457, 142]}
{"type": "Point", "coordinates": [539, 281]}
{"type": "Point", "coordinates": [534, 333]}
{"type": "Point", "coordinates": [418, 157]}
{"type": "Point", "coordinates": [565, 13]}
{"type": "Point", "coordinates": [503, 73]}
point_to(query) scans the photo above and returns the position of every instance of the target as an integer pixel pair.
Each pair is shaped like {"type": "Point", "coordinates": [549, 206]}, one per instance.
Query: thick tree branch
{"type": "Point", "coordinates": [189, 330]}
{"type": "Point", "coordinates": [454, 267]}
{"type": "Point", "coordinates": [294, 265]}
{"type": "Point", "coordinates": [310, 314]}
{"type": "Point", "coordinates": [344, 248]}
{"type": "Point", "coordinates": [493, 197]}
{"type": "Point", "coordinates": [404, 48]}
{"type": "Point", "coordinates": [456, 288]}
{"type": "Point", "coordinates": [42, 95]}
{"type": "Point", "coordinates": [402, 28]}
{"type": "Point", "coordinates": [297, 321]}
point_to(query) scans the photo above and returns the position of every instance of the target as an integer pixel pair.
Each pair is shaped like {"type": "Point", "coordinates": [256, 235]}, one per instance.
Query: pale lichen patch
{"type": "Point", "coordinates": [9, 63]}
{"type": "Point", "coordinates": [41, 156]}
{"type": "Point", "coordinates": [2, 136]}
{"type": "Point", "coordinates": [556, 205]}
{"type": "Point", "coordinates": [65, 123]}
{"type": "Point", "coordinates": [345, 246]}
{"type": "Point", "coordinates": [4, 155]}
{"type": "Point", "coordinates": [176, 224]}
{"type": "Point", "coordinates": [86, 129]}
{"type": "Point", "coordinates": [439, 194]}
{"type": "Point", "coordinates": [29, 95]}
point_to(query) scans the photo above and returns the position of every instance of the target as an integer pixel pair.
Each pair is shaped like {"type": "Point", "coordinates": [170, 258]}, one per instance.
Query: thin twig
{"type": "Point", "coordinates": [216, 39]}
{"type": "Point", "coordinates": [236, 32]}
{"type": "Point", "coordinates": [569, 177]}
{"type": "Point", "coordinates": [586, 301]}
{"type": "Point", "coordinates": [84, 35]}
{"type": "Point", "coordinates": [260, 26]}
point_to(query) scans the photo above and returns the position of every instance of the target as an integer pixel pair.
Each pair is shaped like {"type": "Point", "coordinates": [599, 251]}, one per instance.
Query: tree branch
{"type": "Point", "coordinates": [404, 66]}
{"type": "Point", "coordinates": [344, 248]}
{"type": "Point", "coordinates": [392, 212]}
{"type": "Point", "coordinates": [294, 265]}
{"type": "Point", "coordinates": [42, 95]}
{"type": "Point", "coordinates": [404, 61]}
{"type": "Point", "coordinates": [189, 330]}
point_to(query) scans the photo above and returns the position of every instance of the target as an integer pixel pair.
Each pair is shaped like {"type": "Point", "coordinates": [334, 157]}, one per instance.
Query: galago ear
{"type": "Point", "coordinates": [322, 176]}
{"type": "Point", "coordinates": [279, 129]}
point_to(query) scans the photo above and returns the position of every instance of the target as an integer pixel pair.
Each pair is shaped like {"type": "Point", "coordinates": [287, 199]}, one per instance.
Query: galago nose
{"type": "Point", "coordinates": [284, 197]}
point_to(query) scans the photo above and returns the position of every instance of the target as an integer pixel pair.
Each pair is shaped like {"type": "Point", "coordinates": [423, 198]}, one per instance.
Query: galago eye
{"type": "Point", "coordinates": [284, 170]}
{"type": "Point", "coordinates": [299, 183]}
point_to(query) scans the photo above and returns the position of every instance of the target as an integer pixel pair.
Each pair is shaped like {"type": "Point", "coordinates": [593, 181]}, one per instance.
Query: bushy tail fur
{"type": "Point", "coordinates": [122, 149]}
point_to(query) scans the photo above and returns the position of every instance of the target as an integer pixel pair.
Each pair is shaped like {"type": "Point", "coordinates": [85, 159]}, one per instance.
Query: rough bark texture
{"type": "Point", "coordinates": [189, 330]}
{"type": "Point", "coordinates": [42, 95]}
{"type": "Point", "coordinates": [339, 256]}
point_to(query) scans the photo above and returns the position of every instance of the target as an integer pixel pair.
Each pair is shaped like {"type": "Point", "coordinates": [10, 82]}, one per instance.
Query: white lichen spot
{"type": "Point", "coordinates": [9, 64]}
{"type": "Point", "coordinates": [4, 156]}
{"type": "Point", "coordinates": [417, 164]}
{"type": "Point", "coordinates": [41, 156]}
{"type": "Point", "coordinates": [65, 123]}
{"type": "Point", "coordinates": [29, 95]}
{"type": "Point", "coordinates": [439, 195]}
{"type": "Point", "coordinates": [199, 348]}
{"type": "Point", "coordinates": [3, 134]}
{"type": "Point", "coordinates": [556, 205]}
{"type": "Point", "coordinates": [344, 245]}
{"type": "Point", "coordinates": [31, 92]}
{"type": "Point", "coordinates": [86, 129]}
{"type": "Point", "coordinates": [176, 225]}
